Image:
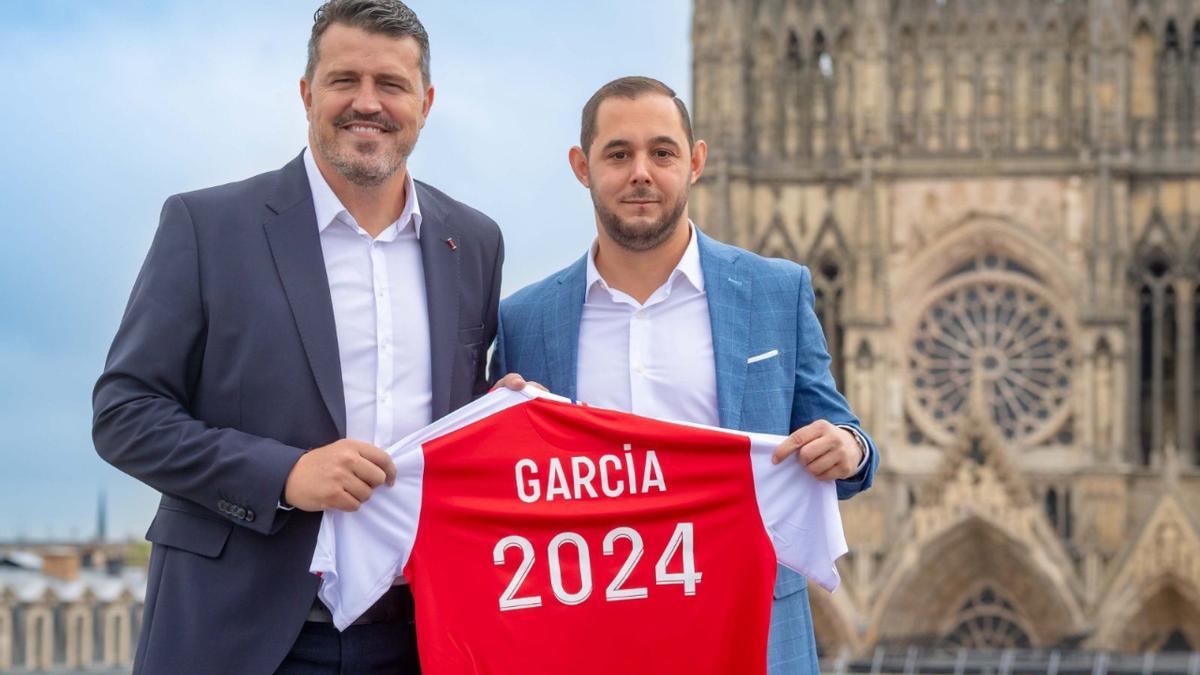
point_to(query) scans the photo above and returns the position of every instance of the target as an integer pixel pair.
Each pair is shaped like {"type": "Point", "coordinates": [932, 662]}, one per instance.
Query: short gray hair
{"type": "Point", "coordinates": [388, 17]}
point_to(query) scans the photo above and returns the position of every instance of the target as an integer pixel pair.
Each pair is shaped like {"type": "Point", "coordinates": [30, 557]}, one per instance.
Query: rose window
{"type": "Point", "coordinates": [997, 337]}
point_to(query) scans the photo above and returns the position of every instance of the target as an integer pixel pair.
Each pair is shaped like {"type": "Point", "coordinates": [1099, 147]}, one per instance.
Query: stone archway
{"type": "Point", "coordinates": [1156, 591]}
{"type": "Point", "coordinates": [39, 637]}
{"type": "Point", "coordinates": [975, 521]}
{"type": "Point", "coordinates": [117, 635]}
{"type": "Point", "coordinates": [974, 234]}
{"type": "Point", "coordinates": [1168, 618]}
{"type": "Point", "coordinates": [924, 601]}
{"type": "Point", "coordinates": [79, 633]}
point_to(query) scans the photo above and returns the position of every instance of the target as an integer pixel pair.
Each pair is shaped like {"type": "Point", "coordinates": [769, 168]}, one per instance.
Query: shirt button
{"type": "Point", "coordinates": [640, 314]}
{"type": "Point", "coordinates": [640, 370]}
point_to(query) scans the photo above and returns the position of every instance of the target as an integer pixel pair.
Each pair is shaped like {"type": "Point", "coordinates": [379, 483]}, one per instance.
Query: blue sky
{"type": "Point", "coordinates": [111, 106]}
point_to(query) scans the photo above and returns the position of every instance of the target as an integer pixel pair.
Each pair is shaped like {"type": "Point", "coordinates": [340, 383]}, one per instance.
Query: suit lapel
{"type": "Point", "coordinates": [729, 308]}
{"type": "Point", "coordinates": [440, 262]}
{"type": "Point", "coordinates": [561, 329]}
{"type": "Point", "coordinates": [295, 244]}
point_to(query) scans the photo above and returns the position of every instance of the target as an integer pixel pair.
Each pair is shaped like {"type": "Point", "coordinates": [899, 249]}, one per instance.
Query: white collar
{"type": "Point", "coordinates": [329, 208]}
{"type": "Point", "coordinates": [688, 265]}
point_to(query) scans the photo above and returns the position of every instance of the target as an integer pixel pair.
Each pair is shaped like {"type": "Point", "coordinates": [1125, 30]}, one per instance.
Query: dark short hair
{"type": "Point", "coordinates": [628, 87]}
{"type": "Point", "coordinates": [389, 17]}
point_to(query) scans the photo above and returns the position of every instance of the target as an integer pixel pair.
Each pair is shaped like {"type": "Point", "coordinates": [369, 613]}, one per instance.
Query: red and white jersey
{"type": "Point", "coordinates": [542, 537]}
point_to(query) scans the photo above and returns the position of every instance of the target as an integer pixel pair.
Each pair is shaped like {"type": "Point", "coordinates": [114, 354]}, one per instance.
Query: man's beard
{"type": "Point", "coordinates": [632, 238]}
{"type": "Point", "coordinates": [369, 172]}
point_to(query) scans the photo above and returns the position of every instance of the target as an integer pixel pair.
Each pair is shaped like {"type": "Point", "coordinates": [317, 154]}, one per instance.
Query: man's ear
{"type": "Point", "coordinates": [427, 104]}
{"type": "Point", "coordinates": [579, 165]}
{"type": "Point", "coordinates": [699, 157]}
{"type": "Point", "coordinates": [306, 95]}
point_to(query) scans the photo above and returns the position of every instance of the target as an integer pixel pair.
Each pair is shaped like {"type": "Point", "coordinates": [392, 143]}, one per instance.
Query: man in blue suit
{"type": "Point", "coordinates": [660, 320]}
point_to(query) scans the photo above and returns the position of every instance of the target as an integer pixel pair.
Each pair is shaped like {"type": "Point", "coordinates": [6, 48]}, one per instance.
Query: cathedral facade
{"type": "Point", "coordinates": [999, 201]}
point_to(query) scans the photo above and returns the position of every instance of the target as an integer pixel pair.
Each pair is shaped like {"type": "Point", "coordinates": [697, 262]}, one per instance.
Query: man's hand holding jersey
{"type": "Point", "coordinates": [828, 451]}
{"type": "Point", "coordinates": [339, 476]}
{"type": "Point", "coordinates": [515, 382]}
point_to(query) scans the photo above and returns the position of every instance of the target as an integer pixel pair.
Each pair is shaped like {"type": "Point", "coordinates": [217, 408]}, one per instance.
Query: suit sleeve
{"type": "Point", "coordinates": [498, 366]}
{"type": "Point", "coordinates": [142, 422]}
{"type": "Point", "coordinates": [492, 321]}
{"type": "Point", "coordinates": [816, 395]}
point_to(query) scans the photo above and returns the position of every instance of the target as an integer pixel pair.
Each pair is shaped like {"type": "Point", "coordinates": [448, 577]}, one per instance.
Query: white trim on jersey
{"type": "Point", "coordinates": [791, 500]}
{"type": "Point", "coordinates": [392, 514]}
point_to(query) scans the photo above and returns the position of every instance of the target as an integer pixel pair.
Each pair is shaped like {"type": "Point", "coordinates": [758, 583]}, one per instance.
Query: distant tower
{"type": "Point", "coordinates": [102, 517]}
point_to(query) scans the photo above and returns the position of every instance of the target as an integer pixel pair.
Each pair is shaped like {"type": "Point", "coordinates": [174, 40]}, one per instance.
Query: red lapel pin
{"type": "Point", "coordinates": [450, 242]}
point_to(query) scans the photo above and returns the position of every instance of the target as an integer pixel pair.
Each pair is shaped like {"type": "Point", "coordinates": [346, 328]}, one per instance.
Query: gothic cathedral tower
{"type": "Point", "coordinates": [1000, 204]}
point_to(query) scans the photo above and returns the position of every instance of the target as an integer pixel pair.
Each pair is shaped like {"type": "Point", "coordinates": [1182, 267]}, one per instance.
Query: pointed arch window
{"type": "Point", "coordinates": [821, 94]}
{"type": "Point", "coordinates": [829, 288]}
{"type": "Point", "coordinates": [906, 75]}
{"type": "Point", "coordinates": [1155, 333]}
{"type": "Point", "coordinates": [795, 58]}
{"type": "Point", "coordinates": [1057, 504]}
{"type": "Point", "coordinates": [767, 107]}
{"type": "Point", "coordinates": [1168, 395]}
{"type": "Point", "coordinates": [1194, 57]}
{"type": "Point", "coordinates": [1171, 87]}
{"type": "Point", "coordinates": [1052, 505]}
{"type": "Point", "coordinates": [1077, 74]}
{"type": "Point", "coordinates": [1144, 99]}
{"type": "Point", "coordinates": [797, 106]}
{"type": "Point", "coordinates": [822, 56]}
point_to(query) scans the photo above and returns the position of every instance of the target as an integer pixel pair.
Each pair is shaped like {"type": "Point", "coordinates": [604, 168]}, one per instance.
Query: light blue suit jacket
{"type": "Point", "coordinates": [755, 305]}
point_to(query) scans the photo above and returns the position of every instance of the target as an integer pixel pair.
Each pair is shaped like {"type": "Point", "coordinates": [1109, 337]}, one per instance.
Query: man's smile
{"type": "Point", "coordinates": [364, 129]}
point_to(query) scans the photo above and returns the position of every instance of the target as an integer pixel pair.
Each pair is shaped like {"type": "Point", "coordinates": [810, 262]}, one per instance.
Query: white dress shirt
{"type": "Point", "coordinates": [654, 359]}
{"type": "Point", "coordinates": [379, 307]}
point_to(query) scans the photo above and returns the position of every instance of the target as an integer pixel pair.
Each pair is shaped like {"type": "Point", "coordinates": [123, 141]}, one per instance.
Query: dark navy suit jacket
{"type": "Point", "coordinates": [224, 371]}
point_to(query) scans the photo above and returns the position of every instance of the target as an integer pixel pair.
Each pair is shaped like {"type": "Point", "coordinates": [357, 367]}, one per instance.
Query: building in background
{"type": "Point", "coordinates": [66, 607]}
{"type": "Point", "coordinates": [1000, 204]}
{"type": "Point", "coordinates": [71, 606]}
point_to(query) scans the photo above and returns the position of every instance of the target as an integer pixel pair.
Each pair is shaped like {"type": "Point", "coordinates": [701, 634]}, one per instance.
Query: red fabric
{"type": "Point", "coordinates": [470, 503]}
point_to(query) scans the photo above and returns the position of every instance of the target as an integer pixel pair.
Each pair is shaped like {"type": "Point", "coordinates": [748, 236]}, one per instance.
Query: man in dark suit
{"type": "Point", "coordinates": [282, 330]}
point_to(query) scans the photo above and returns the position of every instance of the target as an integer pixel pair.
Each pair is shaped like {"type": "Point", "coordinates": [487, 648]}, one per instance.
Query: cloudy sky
{"type": "Point", "coordinates": [111, 106]}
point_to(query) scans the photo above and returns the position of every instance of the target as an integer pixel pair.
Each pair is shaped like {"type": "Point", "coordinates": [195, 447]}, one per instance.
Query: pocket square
{"type": "Point", "coordinates": [763, 356]}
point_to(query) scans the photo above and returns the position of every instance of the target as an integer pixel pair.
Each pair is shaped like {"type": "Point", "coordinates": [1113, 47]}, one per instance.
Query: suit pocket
{"type": "Point", "coordinates": [470, 336]}
{"type": "Point", "coordinates": [765, 356]}
{"type": "Point", "coordinates": [189, 532]}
